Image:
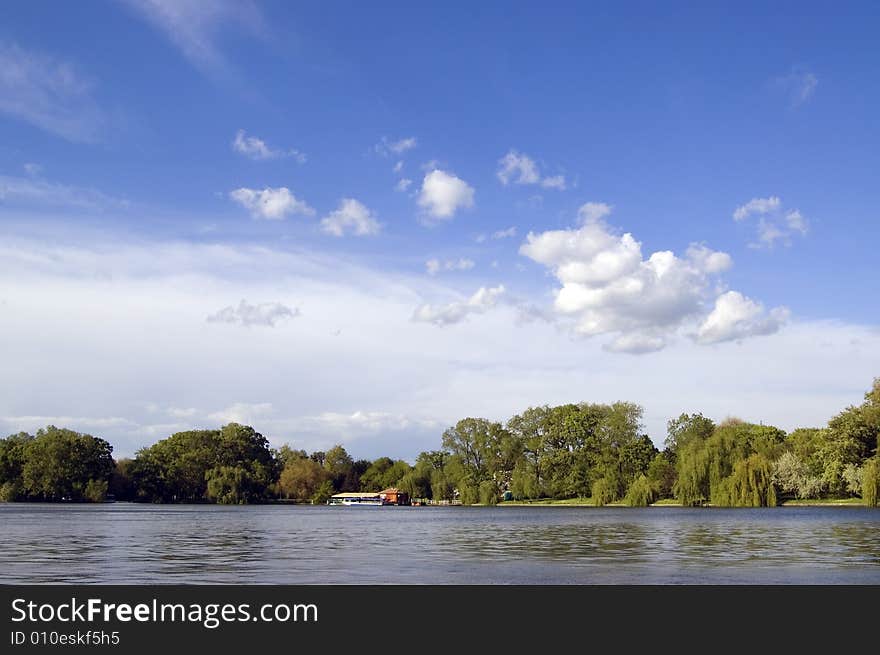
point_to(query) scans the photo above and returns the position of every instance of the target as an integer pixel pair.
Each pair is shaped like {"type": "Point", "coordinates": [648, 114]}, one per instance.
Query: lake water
{"type": "Point", "coordinates": [283, 544]}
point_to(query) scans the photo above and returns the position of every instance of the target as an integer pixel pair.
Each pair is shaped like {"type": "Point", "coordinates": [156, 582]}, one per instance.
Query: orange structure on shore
{"type": "Point", "coordinates": [394, 496]}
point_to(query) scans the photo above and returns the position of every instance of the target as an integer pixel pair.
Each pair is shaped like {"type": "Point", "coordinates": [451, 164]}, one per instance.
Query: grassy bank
{"type": "Point", "coordinates": [824, 502]}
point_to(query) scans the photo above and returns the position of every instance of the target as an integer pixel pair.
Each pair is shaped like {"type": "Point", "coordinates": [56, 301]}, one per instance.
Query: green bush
{"type": "Point", "coordinates": [96, 491]}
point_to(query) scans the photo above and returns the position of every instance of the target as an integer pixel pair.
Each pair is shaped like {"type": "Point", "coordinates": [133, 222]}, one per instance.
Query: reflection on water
{"type": "Point", "coordinates": [124, 543]}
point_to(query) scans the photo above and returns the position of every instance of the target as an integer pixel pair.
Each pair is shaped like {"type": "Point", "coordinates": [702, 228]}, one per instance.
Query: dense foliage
{"type": "Point", "coordinates": [580, 450]}
{"type": "Point", "coordinates": [55, 464]}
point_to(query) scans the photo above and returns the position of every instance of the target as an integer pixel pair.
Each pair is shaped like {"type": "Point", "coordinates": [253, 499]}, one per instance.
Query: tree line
{"type": "Point", "coordinates": [584, 450]}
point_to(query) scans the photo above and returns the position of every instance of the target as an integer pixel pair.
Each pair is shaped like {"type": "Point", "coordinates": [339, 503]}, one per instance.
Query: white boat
{"type": "Point", "coordinates": [356, 499]}
{"type": "Point", "coordinates": [366, 502]}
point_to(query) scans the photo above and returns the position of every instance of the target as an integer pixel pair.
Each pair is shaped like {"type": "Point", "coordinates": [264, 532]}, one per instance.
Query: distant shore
{"type": "Point", "coordinates": [587, 502]}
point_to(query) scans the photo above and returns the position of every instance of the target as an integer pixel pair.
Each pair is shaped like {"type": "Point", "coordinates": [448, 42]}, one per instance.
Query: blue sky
{"type": "Point", "coordinates": [351, 222]}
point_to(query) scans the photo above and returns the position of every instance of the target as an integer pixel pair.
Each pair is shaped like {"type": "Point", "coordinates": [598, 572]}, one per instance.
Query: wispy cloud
{"type": "Point", "coordinates": [271, 204]}
{"type": "Point", "coordinates": [775, 224]}
{"type": "Point", "coordinates": [247, 314]}
{"type": "Point", "coordinates": [507, 233]}
{"type": "Point", "coordinates": [50, 94]}
{"type": "Point", "coordinates": [519, 168]}
{"type": "Point", "coordinates": [756, 206]}
{"type": "Point", "coordinates": [480, 302]}
{"type": "Point", "coordinates": [434, 266]}
{"type": "Point", "coordinates": [387, 147]}
{"type": "Point", "coordinates": [35, 192]}
{"type": "Point", "coordinates": [196, 27]}
{"type": "Point", "coordinates": [590, 212]}
{"type": "Point", "coordinates": [799, 86]}
{"type": "Point", "coordinates": [257, 149]}
{"type": "Point", "coordinates": [351, 217]}
{"type": "Point", "coordinates": [246, 413]}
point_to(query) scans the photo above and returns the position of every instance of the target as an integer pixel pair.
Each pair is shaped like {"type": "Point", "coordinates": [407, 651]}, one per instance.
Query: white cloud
{"type": "Point", "coordinates": [79, 423]}
{"type": "Point", "coordinates": [443, 194]}
{"type": "Point", "coordinates": [708, 260]}
{"type": "Point", "coordinates": [196, 27]}
{"type": "Point", "coordinates": [774, 224]}
{"type": "Point", "coordinates": [757, 206]}
{"type": "Point", "coordinates": [49, 94]}
{"type": "Point", "coordinates": [737, 317]}
{"type": "Point", "coordinates": [246, 314]}
{"type": "Point", "coordinates": [398, 167]}
{"type": "Point", "coordinates": [244, 413]}
{"type": "Point", "coordinates": [505, 234]}
{"type": "Point", "coordinates": [271, 204]}
{"type": "Point", "coordinates": [359, 422]}
{"type": "Point", "coordinates": [31, 192]}
{"type": "Point", "coordinates": [590, 212]}
{"type": "Point", "coordinates": [434, 266]}
{"type": "Point", "coordinates": [609, 288]}
{"type": "Point", "coordinates": [32, 169]}
{"type": "Point", "coordinates": [256, 149]}
{"type": "Point", "coordinates": [799, 86]}
{"type": "Point", "coordinates": [519, 168]}
{"type": "Point", "coordinates": [556, 182]}
{"type": "Point", "coordinates": [455, 312]}
{"type": "Point", "coordinates": [636, 344]}
{"type": "Point", "coordinates": [796, 222]}
{"type": "Point", "coordinates": [386, 147]}
{"type": "Point", "coordinates": [350, 217]}
{"type": "Point", "coordinates": [402, 185]}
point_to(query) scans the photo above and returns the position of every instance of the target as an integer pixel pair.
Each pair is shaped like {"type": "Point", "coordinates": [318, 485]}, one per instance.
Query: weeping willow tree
{"type": "Point", "coordinates": [750, 484]}
{"type": "Point", "coordinates": [692, 484]}
{"type": "Point", "coordinates": [871, 481]}
{"type": "Point", "coordinates": [640, 493]}
{"type": "Point", "coordinates": [603, 492]}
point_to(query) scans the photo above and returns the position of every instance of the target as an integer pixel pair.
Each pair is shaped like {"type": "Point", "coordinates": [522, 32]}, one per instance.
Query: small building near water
{"type": "Point", "coordinates": [394, 496]}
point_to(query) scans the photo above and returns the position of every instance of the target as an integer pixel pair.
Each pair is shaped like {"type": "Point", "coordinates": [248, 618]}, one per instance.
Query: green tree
{"type": "Point", "coordinates": [233, 485]}
{"type": "Point", "coordinates": [236, 460]}
{"type": "Point", "coordinates": [95, 491]}
{"type": "Point", "coordinates": [60, 463]}
{"type": "Point", "coordinates": [661, 475]}
{"type": "Point", "coordinates": [871, 481]}
{"type": "Point", "coordinates": [384, 473]}
{"type": "Point", "coordinates": [749, 485]}
{"type": "Point", "coordinates": [685, 430]}
{"type": "Point", "coordinates": [323, 493]}
{"type": "Point", "coordinates": [301, 479]}
{"type": "Point", "coordinates": [12, 458]}
{"type": "Point", "coordinates": [121, 485]}
{"type": "Point", "coordinates": [488, 492]}
{"type": "Point", "coordinates": [339, 464]}
{"type": "Point", "coordinates": [640, 493]}
{"type": "Point", "coordinates": [478, 448]}
{"type": "Point", "coordinates": [603, 492]}
{"type": "Point", "coordinates": [851, 438]}
{"type": "Point", "coordinates": [530, 429]}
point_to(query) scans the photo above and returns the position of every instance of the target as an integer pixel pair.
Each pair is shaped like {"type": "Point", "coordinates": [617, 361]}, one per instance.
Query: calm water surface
{"type": "Point", "coordinates": [127, 543]}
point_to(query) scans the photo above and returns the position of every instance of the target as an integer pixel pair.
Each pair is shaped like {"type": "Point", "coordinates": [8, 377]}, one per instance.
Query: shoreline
{"type": "Point", "coordinates": [831, 502]}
